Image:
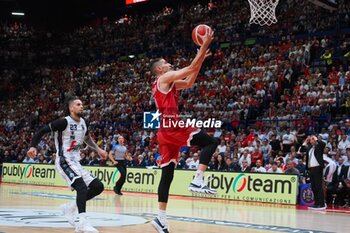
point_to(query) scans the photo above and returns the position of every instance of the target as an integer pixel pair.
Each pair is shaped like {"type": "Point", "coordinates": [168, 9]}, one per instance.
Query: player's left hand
{"type": "Point", "coordinates": [207, 53]}
{"type": "Point", "coordinates": [103, 154]}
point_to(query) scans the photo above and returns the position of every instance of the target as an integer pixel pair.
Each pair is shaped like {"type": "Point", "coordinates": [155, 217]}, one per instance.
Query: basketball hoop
{"type": "Point", "coordinates": [263, 12]}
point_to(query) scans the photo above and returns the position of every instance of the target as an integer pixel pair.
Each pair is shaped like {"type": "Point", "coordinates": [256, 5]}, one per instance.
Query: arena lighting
{"type": "Point", "coordinates": [129, 2]}
{"type": "Point", "coordinates": [17, 13]}
{"type": "Point", "coordinates": [131, 56]}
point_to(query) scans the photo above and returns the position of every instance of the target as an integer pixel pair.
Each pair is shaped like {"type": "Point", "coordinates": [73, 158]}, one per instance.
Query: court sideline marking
{"type": "Point", "coordinates": [232, 224]}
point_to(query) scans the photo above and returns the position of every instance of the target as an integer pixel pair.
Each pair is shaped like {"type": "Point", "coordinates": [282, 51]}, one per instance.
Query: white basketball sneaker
{"type": "Point", "coordinates": [200, 187]}
{"type": "Point", "coordinates": [161, 225]}
{"type": "Point", "coordinates": [69, 211]}
{"type": "Point", "coordinates": [84, 226]}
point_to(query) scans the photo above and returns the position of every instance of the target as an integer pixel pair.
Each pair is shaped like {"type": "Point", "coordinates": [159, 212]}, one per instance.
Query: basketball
{"type": "Point", "coordinates": [198, 32]}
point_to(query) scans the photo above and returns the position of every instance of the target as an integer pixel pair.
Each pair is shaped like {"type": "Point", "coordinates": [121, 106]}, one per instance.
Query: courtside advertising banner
{"type": "Point", "coordinates": [255, 187]}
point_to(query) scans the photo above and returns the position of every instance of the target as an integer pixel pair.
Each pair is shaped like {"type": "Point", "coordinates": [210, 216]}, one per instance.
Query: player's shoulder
{"type": "Point", "coordinates": [59, 124]}
{"type": "Point", "coordinates": [61, 120]}
{"type": "Point", "coordinates": [85, 121]}
{"type": "Point", "coordinates": [68, 119]}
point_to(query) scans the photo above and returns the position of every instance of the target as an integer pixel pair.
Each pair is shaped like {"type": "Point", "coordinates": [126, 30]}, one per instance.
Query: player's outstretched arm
{"type": "Point", "coordinates": [88, 140]}
{"type": "Point", "coordinates": [172, 76]}
{"type": "Point", "coordinates": [189, 80]}
{"type": "Point", "coordinates": [56, 125]}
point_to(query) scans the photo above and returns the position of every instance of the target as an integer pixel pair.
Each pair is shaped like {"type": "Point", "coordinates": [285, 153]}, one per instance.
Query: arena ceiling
{"type": "Point", "coordinates": [64, 13]}
{"type": "Point", "coordinates": [68, 14]}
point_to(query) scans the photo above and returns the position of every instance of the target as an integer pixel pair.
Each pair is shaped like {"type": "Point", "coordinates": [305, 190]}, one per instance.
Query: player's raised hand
{"type": "Point", "coordinates": [208, 38]}
{"type": "Point", "coordinates": [32, 152]}
{"type": "Point", "coordinates": [207, 53]}
{"type": "Point", "coordinates": [102, 153]}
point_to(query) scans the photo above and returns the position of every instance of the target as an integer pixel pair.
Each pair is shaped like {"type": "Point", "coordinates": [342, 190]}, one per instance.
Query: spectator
{"type": "Point", "coordinates": [182, 162]}
{"type": "Point", "coordinates": [19, 159]}
{"type": "Point", "coordinates": [245, 166]}
{"type": "Point", "coordinates": [222, 147]}
{"type": "Point", "coordinates": [344, 187]}
{"type": "Point", "coordinates": [140, 161]}
{"type": "Point", "coordinates": [213, 163]}
{"type": "Point", "coordinates": [343, 144]}
{"type": "Point", "coordinates": [27, 159]}
{"type": "Point", "coordinates": [41, 158]}
{"type": "Point", "coordinates": [151, 161]}
{"type": "Point", "coordinates": [256, 156]}
{"type": "Point", "coordinates": [221, 163]}
{"type": "Point", "coordinates": [292, 155]}
{"type": "Point", "coordinates": [233, 165]}
{"type": "Point", "coordinates": [288, 141]}
{"type": "Point", "coordinates": [245, 157]}
{"type": "Point", "coordinates": [129, 162]}
{"type": "Point", "coordinates": [269, 165]}
{"type": "Point", "coordinates": [258, 167]}
{"type": "Point", "coordinates": [274, 168]}
{"type": "Point", "coordinates": [327, 56]}
{"type": "Point", "coordinates": [193, 165]}
{"type": "Point", "coordinates": [301, 167]}
{"type": "Point", "coordinates": [275, 145]}
{"type": "Point", "coordinates": [52, 159]}
{"type": "Point", "coordinates": [83, 161]}
{"type": "Point", "coordinates": [265, 150]}
{"type": "Point", "coordinates": [291, 170]}
{"type": "Point", "coordinates": [341, 166]}
{"type": "Point", "coordinates": [93, 159]}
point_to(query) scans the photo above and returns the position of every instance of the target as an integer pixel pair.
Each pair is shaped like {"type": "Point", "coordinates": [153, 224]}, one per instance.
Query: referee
{"type": "Point", "coordinates": [117, 156]}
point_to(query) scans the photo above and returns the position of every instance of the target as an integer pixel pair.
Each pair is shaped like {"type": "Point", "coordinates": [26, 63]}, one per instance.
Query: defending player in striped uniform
{"type": "Point", "coordinates": [71, 133]}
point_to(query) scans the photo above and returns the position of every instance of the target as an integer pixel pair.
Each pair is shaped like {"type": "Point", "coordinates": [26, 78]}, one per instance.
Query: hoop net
{"type": "Point", "coordinates": [263, 12]}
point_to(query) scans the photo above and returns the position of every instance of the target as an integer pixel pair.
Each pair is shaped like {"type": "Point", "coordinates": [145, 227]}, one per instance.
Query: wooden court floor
{"type": "Point", "coordinates": [23, 206]}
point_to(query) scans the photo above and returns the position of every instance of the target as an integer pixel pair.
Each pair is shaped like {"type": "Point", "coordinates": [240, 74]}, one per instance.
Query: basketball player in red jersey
{"type": "Point", "coordinates": [165, 92]}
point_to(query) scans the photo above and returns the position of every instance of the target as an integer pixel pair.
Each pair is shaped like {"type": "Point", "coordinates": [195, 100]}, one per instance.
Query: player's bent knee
{"type": "Point", "coordinates": [79, 184]}
{"type": "Point", "coordinates": [97, 186]}
{"type": "Point", "coordinates": [100, 187]}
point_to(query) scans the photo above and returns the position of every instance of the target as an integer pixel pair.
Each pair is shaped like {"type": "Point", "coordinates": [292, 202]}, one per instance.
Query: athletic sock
{"type": "Point", "coordinates": [198, 179]}
{"type": "Point", "coordinates": [162, 214]}
{"type": "Point", "coordinates": [82, 217]}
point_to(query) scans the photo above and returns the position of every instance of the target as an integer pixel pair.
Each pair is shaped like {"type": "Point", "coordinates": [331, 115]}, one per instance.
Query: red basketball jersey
{"type": "Point", "coordinates": [167, 104]}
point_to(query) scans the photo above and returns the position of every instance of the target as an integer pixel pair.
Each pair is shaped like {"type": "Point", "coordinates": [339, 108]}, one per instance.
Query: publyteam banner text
{"type": "Point", "coordinates": [256, 187]}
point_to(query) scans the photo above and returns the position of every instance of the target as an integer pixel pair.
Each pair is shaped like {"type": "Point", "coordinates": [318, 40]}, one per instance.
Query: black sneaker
{"type": "Point", "coordinates": [202, 188]}
{"type": "Point", "coordinates": [317, 207]}
{"type": "Point", "coordinates": [161, 226]}
{"type": "Point", "coordinates": [117, 191]}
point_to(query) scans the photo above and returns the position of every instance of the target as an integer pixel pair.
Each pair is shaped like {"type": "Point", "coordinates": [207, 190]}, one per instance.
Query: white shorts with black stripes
{"type": "Point", "coordinates": [72, 170]}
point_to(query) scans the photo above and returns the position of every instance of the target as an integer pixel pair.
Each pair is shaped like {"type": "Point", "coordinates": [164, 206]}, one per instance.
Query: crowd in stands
{"type": "Point", "coordinates": [269, 96]}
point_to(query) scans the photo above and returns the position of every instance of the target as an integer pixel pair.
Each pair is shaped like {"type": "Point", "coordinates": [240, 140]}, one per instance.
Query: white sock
{"type": "Point", "coordinates": [198, 179]}
{"type": "Point", "coordinates": [72, 204]}
{"type": "Point", "coordinates": [82, 217]}
{"type": "Point", "coordinates": [162, 214]}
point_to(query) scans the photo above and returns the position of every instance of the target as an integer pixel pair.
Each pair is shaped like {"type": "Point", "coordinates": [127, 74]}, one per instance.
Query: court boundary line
{"type": "Point", "coordinates": [225, 223]}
